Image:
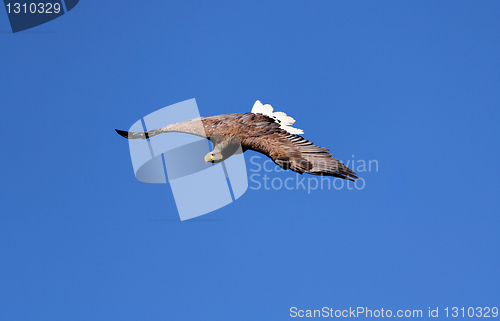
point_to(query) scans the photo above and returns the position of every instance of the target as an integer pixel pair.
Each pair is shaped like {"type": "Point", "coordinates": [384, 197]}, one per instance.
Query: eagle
{"type": "Point", "coordinates": [261, 130]}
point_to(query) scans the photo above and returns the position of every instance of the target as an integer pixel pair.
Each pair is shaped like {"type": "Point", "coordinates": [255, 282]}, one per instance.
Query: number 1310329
{"type": "Point", "coordinates": [33, 7]}
{"type": "Point", "coordinates": [479, 312]}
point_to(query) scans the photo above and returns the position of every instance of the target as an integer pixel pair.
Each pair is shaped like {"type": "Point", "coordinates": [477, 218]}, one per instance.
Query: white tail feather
{"type": "Point", "coordinates": [285, 121]}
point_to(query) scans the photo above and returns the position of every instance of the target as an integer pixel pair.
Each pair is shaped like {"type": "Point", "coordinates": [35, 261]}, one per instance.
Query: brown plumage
{"type": "Point", "coordinates": [261, 133]}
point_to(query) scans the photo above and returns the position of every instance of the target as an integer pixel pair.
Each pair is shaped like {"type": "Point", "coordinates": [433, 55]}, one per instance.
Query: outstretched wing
{"type": "Point", "coordinates": [269, 134]}
{"type": "Point", "coordinates": [290, 151]}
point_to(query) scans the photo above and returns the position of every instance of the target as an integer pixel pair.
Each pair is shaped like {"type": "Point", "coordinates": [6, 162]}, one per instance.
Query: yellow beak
{"type": "Point", "coordinates": [208, 158]}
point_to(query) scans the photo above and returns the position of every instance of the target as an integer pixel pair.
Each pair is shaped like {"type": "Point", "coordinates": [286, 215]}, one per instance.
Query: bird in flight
{"type": "Point", "coordinates": [261, 130]}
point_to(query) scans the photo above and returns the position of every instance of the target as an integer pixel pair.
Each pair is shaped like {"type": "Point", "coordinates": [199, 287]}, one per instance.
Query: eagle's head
{"type": "Point", "coordinates": [213, 157]}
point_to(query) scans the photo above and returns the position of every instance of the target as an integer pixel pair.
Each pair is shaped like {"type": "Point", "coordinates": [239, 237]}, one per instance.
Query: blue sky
{"type": "Point", "coordinates": [412, 85]}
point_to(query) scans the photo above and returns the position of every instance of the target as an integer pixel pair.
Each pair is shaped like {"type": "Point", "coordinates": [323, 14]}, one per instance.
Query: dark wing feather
{"type": "Point", "coordinates": [291, 151]}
